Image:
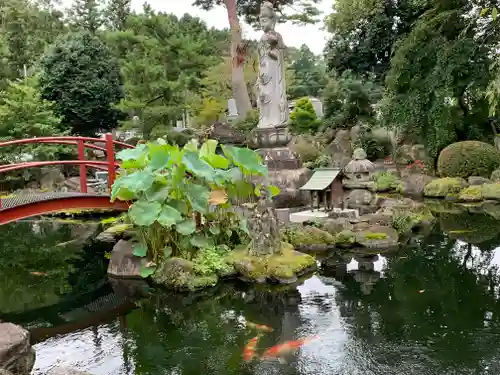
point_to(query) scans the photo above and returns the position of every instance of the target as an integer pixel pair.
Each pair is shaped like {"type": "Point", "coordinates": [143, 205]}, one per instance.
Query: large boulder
{"type": "Point", "coordinates": [289, 181]}
{"type": "Point", "coordinates": [442, 187]}
{"type": "Point", "coordinates": [414, 184]}
{"type": "Point", "coordinates": [340, 149]}
{"type": "Point", "coordinates": [16, 354]}
{"type": "Point", "coordinates": [378, 237]}
{"type": "Point", "coordinates": [468, 158]}
{"type": "Point", "coordinates": [123, 262]}
{"type": "Point", "coordinates": [359, 197]}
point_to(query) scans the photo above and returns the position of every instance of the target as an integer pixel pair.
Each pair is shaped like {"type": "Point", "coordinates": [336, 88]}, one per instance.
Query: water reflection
{"type": "Point", "coordinates": [428, 309]}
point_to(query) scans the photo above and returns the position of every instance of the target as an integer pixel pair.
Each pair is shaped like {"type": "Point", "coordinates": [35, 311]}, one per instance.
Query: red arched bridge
{"type": "Point", "coordinates": [17, 207]}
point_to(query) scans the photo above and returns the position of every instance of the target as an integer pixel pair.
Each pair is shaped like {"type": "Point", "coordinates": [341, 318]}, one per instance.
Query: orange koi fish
{"type": "Point", "coordinates": [280, 350]}
{"type": "Point", "coordinates": [258, 327]}
{"type": "Point", "coordinates": [249, 352]}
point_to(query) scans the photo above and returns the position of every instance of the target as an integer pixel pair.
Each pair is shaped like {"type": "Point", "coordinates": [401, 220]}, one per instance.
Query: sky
{"type": "Point", "coordinates": [293, 35]}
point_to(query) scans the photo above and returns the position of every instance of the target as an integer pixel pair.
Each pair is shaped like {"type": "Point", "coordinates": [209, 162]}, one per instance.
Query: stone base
{"type": "Point", "coordinates": [270, 137]}
{"type": "Point", "coordinates": [16, 354]}
{"type": "Point", "coordinates": [278, 158]}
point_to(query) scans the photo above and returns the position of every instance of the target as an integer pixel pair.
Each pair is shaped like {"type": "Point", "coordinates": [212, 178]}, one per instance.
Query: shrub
{"type": "Point", "coordinates": [385, 181]}
{"type": "Point", "coordinates": [468, 158]}
{"type": "Point", "coordinates": [307, 148]}
{"type": "Point", "coordinates": [249, 123]}
{"type": "Point", "coordinates": [303, 118]}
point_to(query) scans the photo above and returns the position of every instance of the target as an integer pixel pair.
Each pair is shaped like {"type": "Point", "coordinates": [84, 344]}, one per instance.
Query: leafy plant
{"type": "Point", "coordinates": [211, 260]}
{"type": "Point", "coordinates": [183, 196]}
{"type": "Point", "coordinates": [303, 118]}
{"type": "Point", "coordinates": [385, 181]}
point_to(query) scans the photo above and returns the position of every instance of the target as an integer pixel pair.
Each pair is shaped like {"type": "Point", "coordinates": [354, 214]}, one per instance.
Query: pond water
{"type": "Point", "coordinates": [431, 308]}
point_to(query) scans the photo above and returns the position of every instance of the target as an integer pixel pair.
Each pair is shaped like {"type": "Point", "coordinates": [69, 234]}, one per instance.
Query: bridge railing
{"type": "Point", "coordinates": [82, 144]}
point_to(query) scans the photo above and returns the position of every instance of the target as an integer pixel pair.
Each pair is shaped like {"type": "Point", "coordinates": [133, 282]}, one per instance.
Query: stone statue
{"type": "Point", "coordinates": [271, 84]}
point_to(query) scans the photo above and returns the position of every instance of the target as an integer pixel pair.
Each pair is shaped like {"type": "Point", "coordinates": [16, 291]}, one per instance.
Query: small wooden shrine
{"type": "Point", "coordinates": [325, 186]}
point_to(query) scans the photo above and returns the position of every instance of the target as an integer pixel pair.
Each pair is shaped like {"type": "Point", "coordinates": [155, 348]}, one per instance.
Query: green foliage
{"type": "Point", "coordinates": [23, 114]}
{"type": "Point", "coordinates": [306, 235]}
{"type": "Point", "coordinates": [442, 187]}
{"type": "Point", "coordinates": [469, 158]}
{"type": "Point", "coordinates": [302, 12]}
{"type": "Point", "coordinates": [82, 78]}
{"type": "Point", "coordinates": [435, 90]}
{"type": "Point", "coordinates": [309, 74]}
{"type": "Point", "coordinates": [385, 181]}
{"type": "Point", "coordinates": [183, 196]}
{"type": "Point", "coordinates": [86, 15]}
{"type": "Point", "coordinates": [211, 261]}
{"type": "Point", "coordinates": [303, 118]}
{"type": "Point", "coordinates": [164, 60]}
{"type": "Point", "coordinates": [365, 34]}
{"type": "Point", "coordinates": [349, 100]}
{"type": "Point", "coordinates": [375, 148]}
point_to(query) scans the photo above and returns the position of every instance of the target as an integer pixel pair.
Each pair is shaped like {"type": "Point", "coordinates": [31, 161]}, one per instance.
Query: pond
{"type": "Point", "coordinates": [430, 308]}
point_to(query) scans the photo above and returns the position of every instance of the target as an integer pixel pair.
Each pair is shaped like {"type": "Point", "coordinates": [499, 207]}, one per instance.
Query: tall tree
{"type": "Point", "coordinates": [304, 12]}
{"type": "Point", "coordinates": [86, 15]}
{"type": "Point", "coordinates": [364, 33]}
{"type": "Point", "coordinates": [309, 72]}
{"type": "Point", "coordinates": [438, 76]}
{"type": "Point", "coordinates": [82, 77]}
{"type": "Point", "coordinates": [163, 60]}
{"type": "Point", "coordinates": [117, 13]}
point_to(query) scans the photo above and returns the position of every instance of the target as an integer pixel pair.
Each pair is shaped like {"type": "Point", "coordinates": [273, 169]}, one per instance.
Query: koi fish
{"type": "Point", "coordinates": [249, 352]}
{"type": "Point", "coordinates": [258, 327]}
{"type": "Point", "coordinates": [35, 273]}
{"type": "Point", "coordinates": [280, 350]}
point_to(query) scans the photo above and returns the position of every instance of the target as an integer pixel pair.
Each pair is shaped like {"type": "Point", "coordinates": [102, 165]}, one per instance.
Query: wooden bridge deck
{"type": "Point", "coordinates": [18, 207]}
{"type": "Point", "coordinates": [12, 201]}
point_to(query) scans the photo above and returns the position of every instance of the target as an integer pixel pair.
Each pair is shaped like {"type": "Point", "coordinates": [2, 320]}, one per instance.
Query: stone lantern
{"type": "Point", "coordinates": [358, 172]}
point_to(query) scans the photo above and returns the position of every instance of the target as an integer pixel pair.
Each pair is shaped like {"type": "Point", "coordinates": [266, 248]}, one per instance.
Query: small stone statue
{"type": "Point", "coordinates": [263, 226]}
{"type": "Point", "coordinates": [271, 83]}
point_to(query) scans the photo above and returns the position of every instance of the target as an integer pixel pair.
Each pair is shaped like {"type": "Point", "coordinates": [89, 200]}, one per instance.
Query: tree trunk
{"type": "Point", "coordinates": [239, 87]}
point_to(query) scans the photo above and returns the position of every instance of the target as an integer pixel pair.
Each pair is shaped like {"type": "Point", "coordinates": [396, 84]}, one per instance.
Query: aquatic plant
{"type": "Point", "coordinates": [183, 196]}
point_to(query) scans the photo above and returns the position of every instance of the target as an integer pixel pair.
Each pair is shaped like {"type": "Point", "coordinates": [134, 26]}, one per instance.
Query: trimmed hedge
{"type": "Point", "coordinates": [468, 158]}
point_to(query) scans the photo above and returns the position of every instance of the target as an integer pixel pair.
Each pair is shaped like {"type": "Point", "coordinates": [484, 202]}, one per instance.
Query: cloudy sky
{"type": "Point", "coordinates": [295, 36]}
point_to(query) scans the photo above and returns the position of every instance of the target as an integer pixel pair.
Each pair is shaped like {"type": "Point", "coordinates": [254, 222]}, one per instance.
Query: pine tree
{"type": "Point", "coordinates": [117, 13]}
{"type": "Point", "coordinates": [86, 15]}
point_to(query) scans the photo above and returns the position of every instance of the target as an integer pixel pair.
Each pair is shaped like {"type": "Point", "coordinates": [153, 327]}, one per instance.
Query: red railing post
{"type": "Point", "coordinates": [83, 167]}
{"type": "Point", "coordinates": [110, 154]}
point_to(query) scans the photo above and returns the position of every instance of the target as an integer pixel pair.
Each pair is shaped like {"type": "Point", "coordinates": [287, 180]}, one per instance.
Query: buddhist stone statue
{"type": "Point", "coordinates": [272, 102]}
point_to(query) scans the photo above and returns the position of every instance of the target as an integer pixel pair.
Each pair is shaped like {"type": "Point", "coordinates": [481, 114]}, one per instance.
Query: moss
{"type": "Point", "coordinates": [468, 158]}
{"type": "Point", "coordinates": [345, 238]}
{"type": "Point", "coordinates": [119, 228]}
{"type": "Point", "coordinates": [441, 206]}
{"type": "Point", "coordinates": [285, 264]}
{"type": "Point", "coordinates": [442, 187]}
{"type": "Point", "coordinates": [306, 235]}
{"type": "Point", "coordinates": [178, 274]}
{"type": "Point", "coordinates": [471, 194]}
{"type": "Point", "coordinates": [404, 221]}
{"type": "Point", "coordinates": [491, 191]}
{"type": "Point", "coordinates": [375, 236]}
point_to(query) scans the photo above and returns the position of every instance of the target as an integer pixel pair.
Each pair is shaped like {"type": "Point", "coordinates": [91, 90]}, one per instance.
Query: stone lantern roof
{"type": "Point", "coordinates": [359, 163]}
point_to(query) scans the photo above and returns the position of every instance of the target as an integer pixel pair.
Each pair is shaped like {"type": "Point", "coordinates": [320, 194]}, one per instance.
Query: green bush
{"type": "Point", "coordinates": [385, 181]}
{"type": "Point", "coordinates": [468, 158]}
{"type": "Point", "coordinates": [249, 123]}
{"type": "Point", "coordinates": [303, 118]}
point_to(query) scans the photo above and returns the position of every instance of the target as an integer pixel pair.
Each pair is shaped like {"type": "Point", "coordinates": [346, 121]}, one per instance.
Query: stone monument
{"type": "Point", "coordinates": [272, 134]}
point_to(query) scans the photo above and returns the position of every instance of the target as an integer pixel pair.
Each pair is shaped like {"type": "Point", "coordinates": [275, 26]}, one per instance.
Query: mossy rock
{"type": "Point", "coordinates": [282, 267]}
{"type": "Point", "coordinates": [495, 175]}
{"type": "Point", "coordinates": [468, 158]}
{"type": "Point", "coordinates": [470, 228]}
{"type": "Point", "coordinates": [491, 191]}
{"type": "Point", "coordinates": [115, 232]}
{"type": "Point", "coordinates": [178, 274]}
{"type": "Point", "coordinates": [441, 206]}
{"type": "Point", "coordinates": [471, 194]}
{"type": "Point", "coordinates": [346, 238]}
{"type": "Point", "coordinates": [442, 187]}
{"type": "Point", "coordinates": [377, 237]}
{"type": "Point", "coordinates": [306, 235]}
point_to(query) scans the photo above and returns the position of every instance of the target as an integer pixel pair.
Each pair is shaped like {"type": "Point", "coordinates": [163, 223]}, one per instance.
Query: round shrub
{"type": "Point", "coordinates": [468, 158]}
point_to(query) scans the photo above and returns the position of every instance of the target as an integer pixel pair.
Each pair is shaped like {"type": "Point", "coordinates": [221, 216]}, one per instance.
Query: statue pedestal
{"type": "Point", "coordinates": [271, 144]}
